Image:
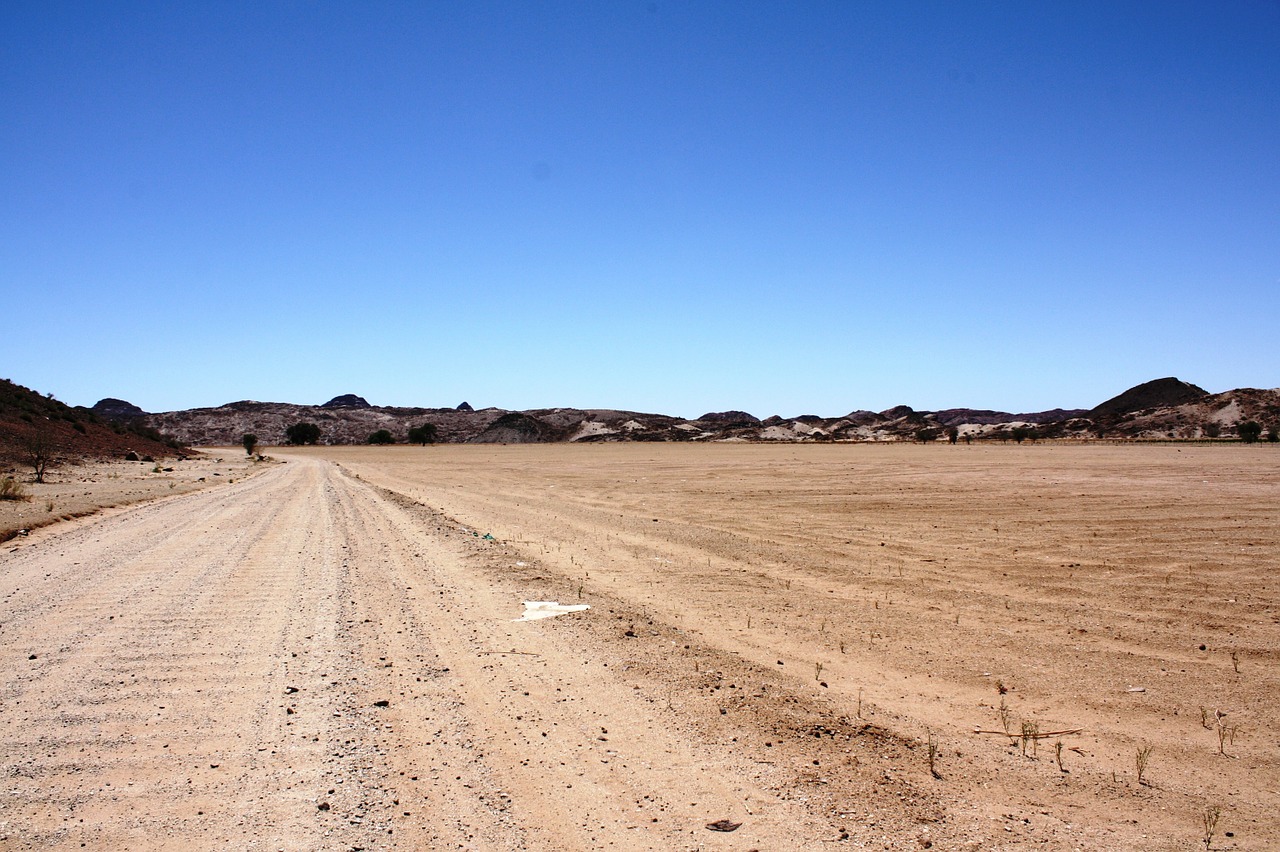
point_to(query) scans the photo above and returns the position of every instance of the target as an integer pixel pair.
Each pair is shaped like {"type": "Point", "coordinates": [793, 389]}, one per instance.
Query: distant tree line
{"type": "Point", "coordinates": [309, 433]}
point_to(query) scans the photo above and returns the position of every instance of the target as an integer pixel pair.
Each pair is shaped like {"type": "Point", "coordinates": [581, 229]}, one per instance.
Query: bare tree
{"type": "Point", "coordinates": [38, 450]}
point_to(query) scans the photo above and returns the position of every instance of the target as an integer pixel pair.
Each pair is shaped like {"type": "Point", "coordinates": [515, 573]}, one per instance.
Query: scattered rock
{"type": "Point", "coordinates": [724, 825]}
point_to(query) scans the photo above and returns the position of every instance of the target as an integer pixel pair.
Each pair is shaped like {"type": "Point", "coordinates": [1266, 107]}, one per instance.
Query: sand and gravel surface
{"type": "Point", "coordinates": [75, 489]}
{"type": "Point", "coordinates": [324, 655]}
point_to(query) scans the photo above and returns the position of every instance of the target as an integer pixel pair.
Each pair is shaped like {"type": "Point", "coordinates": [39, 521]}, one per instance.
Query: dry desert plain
{"type": "Point", "coordinates": [323, 655]}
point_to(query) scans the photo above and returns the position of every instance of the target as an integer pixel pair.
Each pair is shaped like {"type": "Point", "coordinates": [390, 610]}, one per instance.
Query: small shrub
{"type": "Point", "coordinates": [250, 443]}
{"type": "Point", "coordinates": [1142, 758]}
{"type": "Point", "coordinates": [1006, 716]}
{"type": "Point", "coordinates": [381, 437]}
{"type": "Point", "coordinates": [1030, 736]}
{"type": "Point", "coordinates": [1210, 820]}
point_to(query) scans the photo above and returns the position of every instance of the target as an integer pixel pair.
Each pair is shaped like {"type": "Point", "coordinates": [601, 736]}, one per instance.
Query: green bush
{"type": "Point", "coordinates": [382, 436]}
{"type": "Point", "coordinates": [302, 433]}
{"type": "Point", "coordinates": [424, 434]}
{"type": "Point", "coordinates": [1249, 431]}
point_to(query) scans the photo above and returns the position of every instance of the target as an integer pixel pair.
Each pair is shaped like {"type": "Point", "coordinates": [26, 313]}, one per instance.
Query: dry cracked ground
{"type": "Point", "coordinates": [862, 647]}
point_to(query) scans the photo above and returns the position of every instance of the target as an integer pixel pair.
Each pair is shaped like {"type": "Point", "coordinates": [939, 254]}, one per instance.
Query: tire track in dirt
{"type": "Point", "coordinates": [140, 722]}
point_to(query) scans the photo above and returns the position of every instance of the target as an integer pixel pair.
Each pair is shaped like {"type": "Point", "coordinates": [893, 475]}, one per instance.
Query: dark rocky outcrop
{"type": "Point", "coordinates": [957, 416]}
{"type": "Point", "coordinates": [517, 428]}
{"type": "Point", "coordinates": [347, 400]}
{"type": "Point", "coordinates": [116, 409]}
{"type": "Point", "coordinates": [1159, 393]}
{"type": "Point", "coordinates": [730, 419]}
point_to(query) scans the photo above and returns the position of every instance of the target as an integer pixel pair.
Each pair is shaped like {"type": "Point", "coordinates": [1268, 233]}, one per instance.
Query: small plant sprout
{"type": "Point", "coordinates": [1210, 821]}
{"type": "Point", "coordinates": [859, 702]}
{"type": "Point", "coordinates": [1005, 717]}
{"type": "Point", "coordinates": [1226, 733]}
{"type": "Point", "coordinates": [1142, 758]}
{"type": "Point", "coordinates": [1204, 718]}
{"type": "Point", "coordinates": [817, 671]}
{"type": "Point", "coordinates": [933, 754]}
{"type": "Point", "coordinates": [1030, 736]}
{"type": "Point", "coordinates": [1057, 755]}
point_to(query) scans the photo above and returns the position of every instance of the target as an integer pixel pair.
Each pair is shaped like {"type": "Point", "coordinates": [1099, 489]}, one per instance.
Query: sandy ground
{"type": "Point", "coordinates": [323, 655]}
{"type": "Point", "coordinates": [79, 489]}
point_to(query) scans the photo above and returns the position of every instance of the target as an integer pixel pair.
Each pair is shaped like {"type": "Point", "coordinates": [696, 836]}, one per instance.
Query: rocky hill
{"type": "Point", "coordinates": [1162, 409]}
{"type": "Point", "coordinates": [34, 425]}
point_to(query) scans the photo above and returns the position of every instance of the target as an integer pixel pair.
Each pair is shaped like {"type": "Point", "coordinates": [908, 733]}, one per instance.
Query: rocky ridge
{"type": "Point", "coordinates": [1164, 409]}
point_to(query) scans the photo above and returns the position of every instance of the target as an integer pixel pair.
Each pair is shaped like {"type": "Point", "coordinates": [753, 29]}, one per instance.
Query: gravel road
{"type": "Point", "coordinates": [303, 661]}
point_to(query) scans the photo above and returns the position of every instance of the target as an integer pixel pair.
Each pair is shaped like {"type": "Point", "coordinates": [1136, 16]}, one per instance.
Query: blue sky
{"type": "Point", "coordinates": [676, 207]}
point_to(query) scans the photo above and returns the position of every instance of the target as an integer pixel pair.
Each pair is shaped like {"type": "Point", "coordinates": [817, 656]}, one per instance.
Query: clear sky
{"type": "Point", "coordinates": [674, 207]}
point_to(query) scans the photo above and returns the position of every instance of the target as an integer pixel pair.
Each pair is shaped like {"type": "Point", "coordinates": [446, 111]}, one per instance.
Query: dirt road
{"type": "Point", "coordinates": [300, 662]}
{"type": "Point", "coordinates": [324, 657]}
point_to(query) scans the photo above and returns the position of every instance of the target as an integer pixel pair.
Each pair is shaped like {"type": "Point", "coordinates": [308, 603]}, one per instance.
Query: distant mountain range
{"type": "Point", "coordinates": [1165, 408]}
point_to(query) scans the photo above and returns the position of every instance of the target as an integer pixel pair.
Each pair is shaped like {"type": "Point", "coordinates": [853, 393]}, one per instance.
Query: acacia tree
{"type": "Point", "coordinates": [382, 436]}
{"type": "Point", "coordinates": [250, 442]}
{"type": "Point", "coordinates": [1249, 431]}
{"type": "Point", "coordinates": [424, 434]}
{"type": "Point", "coordinates": [303, 433]}
{"type": "Point", "coordinates": [38, 448]}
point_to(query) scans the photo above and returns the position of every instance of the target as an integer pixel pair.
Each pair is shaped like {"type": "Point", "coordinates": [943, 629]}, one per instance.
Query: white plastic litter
{"type": "Point", "coordinates": [534, 610]}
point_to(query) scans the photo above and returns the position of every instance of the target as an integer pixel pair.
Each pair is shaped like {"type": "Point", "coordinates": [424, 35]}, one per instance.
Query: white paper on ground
{"type": "Point", "coordinates": [533, 610]}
